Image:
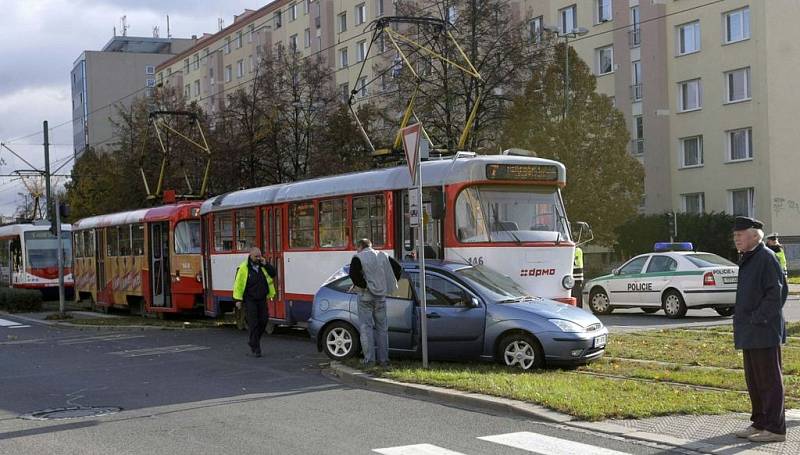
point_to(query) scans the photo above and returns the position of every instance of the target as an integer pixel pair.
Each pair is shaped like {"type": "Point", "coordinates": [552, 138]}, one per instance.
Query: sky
{"type": "Point", "coordinates": [39, 42]}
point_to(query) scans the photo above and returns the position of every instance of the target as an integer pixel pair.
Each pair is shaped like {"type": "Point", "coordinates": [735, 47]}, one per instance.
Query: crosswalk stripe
{"type": "Point", "coordinates": [7, 323]}
{"type": "Point", "coordinates": [18, 326]}
{"type": "Point", "coordinates": [417, 449]}
{"type": "Point", "coordinates": [160, 350]}
{"type": "Point", "coordinates": [546, 445]}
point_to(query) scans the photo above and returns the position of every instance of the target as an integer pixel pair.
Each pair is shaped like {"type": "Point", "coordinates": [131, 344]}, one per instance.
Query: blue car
{"type": "Point", "coordinates": [473, 312]}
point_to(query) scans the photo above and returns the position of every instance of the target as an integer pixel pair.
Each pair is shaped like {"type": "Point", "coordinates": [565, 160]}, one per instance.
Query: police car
{"type": "Point", "coordinates": [673, 278]}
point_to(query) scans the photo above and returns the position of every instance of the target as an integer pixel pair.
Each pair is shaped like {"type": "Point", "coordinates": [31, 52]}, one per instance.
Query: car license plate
{"type": "Point", "coordinates": [730, 279]}
{"type": "Point", "coordinates": [600, 341]}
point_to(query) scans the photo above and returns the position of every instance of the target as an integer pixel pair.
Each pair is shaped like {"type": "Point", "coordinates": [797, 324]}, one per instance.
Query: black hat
{"type": "Point", "coordinates": [745, 222]}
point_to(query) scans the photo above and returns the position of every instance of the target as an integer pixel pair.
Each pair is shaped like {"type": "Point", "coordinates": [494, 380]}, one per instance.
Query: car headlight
{"type": "Point", "coordinates": [566, 326]}
{"type": "Point", "coordinates": [568, 282]}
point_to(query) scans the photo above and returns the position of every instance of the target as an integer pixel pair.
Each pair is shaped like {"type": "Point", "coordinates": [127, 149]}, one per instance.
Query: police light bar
{"type": "Point", "coordinates": [660, 247]}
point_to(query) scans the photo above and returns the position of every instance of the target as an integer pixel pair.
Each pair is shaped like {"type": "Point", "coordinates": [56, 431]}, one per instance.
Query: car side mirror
{"type": "Point", "coordinates": [615, 271]}
{"type": "Point", "coordinates": [474, 302]}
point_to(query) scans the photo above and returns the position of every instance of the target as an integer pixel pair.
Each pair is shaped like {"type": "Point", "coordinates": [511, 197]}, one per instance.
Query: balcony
{"type": "Point", "coordinates": [635, 37]}
{"type": "Point", "coordinates": [637, 147]}
{"type": "Point", "coordinates": [636, 92]}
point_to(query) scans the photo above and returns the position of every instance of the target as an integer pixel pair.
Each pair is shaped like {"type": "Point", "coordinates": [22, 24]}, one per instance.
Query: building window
{"type": "Point", "coordinates": [307, 38]}
{"type": "Point", "coordinates": [293, 43]}
{"type": "Point", "coordinates": [694, 203]}
{"type": "Point", "coordinates": [187, 91]}
{"type": "Point", "coordinates": [301, 225]}
{"type": "Point", "coordinates": [369, 219]}
{"type": "Point", "coordinates": [149, 69]}
{"type": "Point", "coordinates": [361, 13]}
{"type": "Point", "coordinates": [635, 33]}
{"type": "Point", "coordinates": [196, 62]}
{"type": "Point", "coordinates": [636, 87]}
{"type": "Point", "coordinates": [692, 151]}
{"type": "Point", "coordinates": [197, 88]}
{"type": "Point", "coordinates": [737, 85]}
{"type": "Point", "coordinates": [228, 73]}
{"type": "Point", "coordinates": [361, 51]}
{"type": "Point", "coordinates": [740, 144]}
{"type": "Point", "coordinates": [332, 224]}
{"type": "Point", "coordinates": [379, 7]}
{"type": "Point", "coordinates": [452, 14]}
{"type": "Point", "coordinates": [689, 38]}
{"type": "Point", "coordinates": [306, 6]}
{"type": "Point", "coordinates": [344, 92]}
{"type": "Point", "coordinates": [343, 58]}
{"type": "Point", "coordinates": [251, 31]}
{"type": "Point", "coordinates": [362, 87]}
{"type": "Point", "coordinates": [186, 66]}
{"type": "Point", "coordinates": [382, 43]}
{"type": "Point", "coordinates": [342, 22]}
{"type": "Point", "coordinates": [535, 29]}
{"type": "Point", "coordinates": [741, 202]}
{"type": "Point", "coordinates": [603, 11]}
{"type": "Point", "coordinates": [239, 40]}
{"type": "Point", "coordinates": [227, 46]}
{"type": "Point", "coordinates": [239, 69]}
{"type": "Point", "coordinates": [569, 20]}
{"type": "Point", "coordinates": [292, 12]}
{"type": "Point", "coordinates": [638, 129]}
{"type": "Point", "coordinates": [605, 60]}
{"type": "Point", "coordinates": [276, 19]}
{"type": "Point", "coordinates": [149, 82]}
{"type": "Point", "coordinates": [737, 25]}
{"type": "Point", "coordinates": [690, 95]}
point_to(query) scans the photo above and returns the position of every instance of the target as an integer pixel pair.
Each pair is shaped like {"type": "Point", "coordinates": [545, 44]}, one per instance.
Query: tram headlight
{"type": "Point", "coordinates": [568, 282]}
{"type": "Point", "coordinates": [199, 277]}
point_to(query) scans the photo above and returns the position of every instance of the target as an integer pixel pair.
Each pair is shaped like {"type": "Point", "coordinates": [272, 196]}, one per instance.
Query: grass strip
{"type": "Point", "coordinates": [152, 322]}
{"type": "Point", "coordinates": [583, 396]}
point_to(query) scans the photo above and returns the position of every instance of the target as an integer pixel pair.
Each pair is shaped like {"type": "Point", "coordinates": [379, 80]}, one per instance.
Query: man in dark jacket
{"type": "Point", "coordinates": [254, 284]}
{"type": "Point", "coordinates": [759, 330]}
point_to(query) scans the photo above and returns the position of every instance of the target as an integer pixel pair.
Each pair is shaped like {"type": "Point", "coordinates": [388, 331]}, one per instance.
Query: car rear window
{"type": "Point", "coordinates": [709, 260]}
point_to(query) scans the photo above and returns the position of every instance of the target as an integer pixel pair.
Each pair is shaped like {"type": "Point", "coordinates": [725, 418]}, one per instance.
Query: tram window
{"type": "Point", "coordinates": [187, 237]}
{"type": "Point", "coordinates": [16, 255]}
{"type": "Point", "coordinates": [369, 219]}
{"type": "Point", "coordinates": [113, 241]}
{"type": "Point", "coordinates": [301, 225]}
{"type": "Point", "coordinates": [4, 253]}
{"type": "Point", "coordinates": [125, 240]}
{"type": "Point", "coordinates": [332, 221]}
{"type": "Point", "coordinates": [137, 239]}
{"type": "Point", "coordinates": [78, 249]}
{"type": "Point", "coordinates": [88, 243]}
{"type": "Point", "coordinates": [245, 229]}
{"type": "Point", "coordinates": [223, 232]}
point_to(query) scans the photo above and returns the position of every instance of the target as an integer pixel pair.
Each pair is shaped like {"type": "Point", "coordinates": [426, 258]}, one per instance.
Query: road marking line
{"type": "Point", "coordinates": [416, 449]}
{"type": "Point", "coordinates": [84, 340]}
{"type": "Point", "coordinates": [7, 323]}
{"type": "Point", "coordinates": [546, 445]}
{"type": "Point", "coordinates": [160, 350]}
{"type": "Point", "coordinates": [18, 326]}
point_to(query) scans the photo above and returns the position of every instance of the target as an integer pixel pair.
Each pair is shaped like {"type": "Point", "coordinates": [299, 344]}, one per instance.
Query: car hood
{"type": "Point", "coordinates": [547, 309]}
{"type": "Point", "coordinates": [604, 277]}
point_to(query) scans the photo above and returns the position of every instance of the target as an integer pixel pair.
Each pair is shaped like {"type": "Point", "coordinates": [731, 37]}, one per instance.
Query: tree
{"type": "Point", "coordinates": [604, 182]}
{"type": "Point", "coordinates": [90, 190]}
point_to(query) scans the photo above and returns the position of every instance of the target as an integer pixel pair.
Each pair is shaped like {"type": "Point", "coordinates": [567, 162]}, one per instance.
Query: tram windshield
{"type": "Point", "coordinates": [187, 237]}
{"type": "Point", "coordinates": [42, 252]}
{"type": "Point", "coordinates": [494, 213]}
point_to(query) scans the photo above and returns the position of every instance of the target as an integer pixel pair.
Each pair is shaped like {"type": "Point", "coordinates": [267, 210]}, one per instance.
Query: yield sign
{"type": "Point", "coordinates": [411, 147]}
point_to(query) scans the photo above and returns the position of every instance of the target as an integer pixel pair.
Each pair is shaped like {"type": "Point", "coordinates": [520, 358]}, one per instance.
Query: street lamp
{"type": "Point", "coordinates": [576, 32]}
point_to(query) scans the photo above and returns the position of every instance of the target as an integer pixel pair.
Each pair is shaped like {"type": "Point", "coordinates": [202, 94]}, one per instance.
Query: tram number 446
{"type": "Point", "coordinates": [478, 260]}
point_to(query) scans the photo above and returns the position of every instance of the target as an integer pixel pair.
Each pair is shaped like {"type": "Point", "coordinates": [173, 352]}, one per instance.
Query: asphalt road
{"type": "Point", "coordinates": [195, 391]}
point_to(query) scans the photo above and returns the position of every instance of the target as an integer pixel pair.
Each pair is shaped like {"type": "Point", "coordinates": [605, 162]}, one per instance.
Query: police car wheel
{"type": "Point", "coordinates": [650, 310]}
{"type": "Point", "coordinates": [340, 341]}
{"type": "Point", "coordinates": [599, 303]}
{"type": "Point", "coordinates": [724, 310]}
{"type": "Point", "coordinates": [674, 306]}
{"type": "Point", "coordinates": [520, 350]}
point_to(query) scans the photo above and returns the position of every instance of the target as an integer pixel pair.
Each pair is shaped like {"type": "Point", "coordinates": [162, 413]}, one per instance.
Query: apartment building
{"type": "Point", "coordinates": [706, 90]}
{"type": "Point", "coordinates": [99, 80]}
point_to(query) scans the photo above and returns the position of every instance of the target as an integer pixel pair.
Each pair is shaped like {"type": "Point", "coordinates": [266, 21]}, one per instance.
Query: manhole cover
{"type": "Point", "coordinates": [74, 412]}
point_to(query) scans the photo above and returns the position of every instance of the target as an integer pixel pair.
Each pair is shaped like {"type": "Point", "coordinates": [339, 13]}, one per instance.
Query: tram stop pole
{"type": "Point", "coordinates": [411, 138]}
{"type": "Point", "coordinates": [60, 249]}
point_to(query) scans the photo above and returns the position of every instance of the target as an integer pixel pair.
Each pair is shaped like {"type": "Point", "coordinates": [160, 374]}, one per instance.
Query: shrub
{"type": "Point", "coordinates": [20, 300]}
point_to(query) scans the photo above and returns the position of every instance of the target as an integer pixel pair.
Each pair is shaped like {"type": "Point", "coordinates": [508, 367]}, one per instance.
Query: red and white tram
{"type": "Point", "coordinates": [29, 256]}
{"type": "Point", "coordinates": [503, 211]}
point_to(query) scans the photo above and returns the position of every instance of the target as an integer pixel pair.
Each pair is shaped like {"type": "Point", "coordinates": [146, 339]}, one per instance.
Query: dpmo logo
{"type": "Point", "coordinates": [537, 272]}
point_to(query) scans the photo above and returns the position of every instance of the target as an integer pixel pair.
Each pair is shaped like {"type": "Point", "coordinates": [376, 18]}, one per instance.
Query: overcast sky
{"type": "Point", "coordinates": [40, 40]}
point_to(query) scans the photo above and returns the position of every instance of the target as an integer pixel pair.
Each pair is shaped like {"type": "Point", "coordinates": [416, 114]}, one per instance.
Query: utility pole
{"type": "Point", "coordinates": [47, 170]}
{"type": "Point", "coordinates": [60, 257]}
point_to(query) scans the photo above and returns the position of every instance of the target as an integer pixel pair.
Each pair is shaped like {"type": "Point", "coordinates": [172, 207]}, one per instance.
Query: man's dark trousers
{"type": "Point", "coordinates": [762, 372]}
{"type": "Point", "coordinates": [256, 315]}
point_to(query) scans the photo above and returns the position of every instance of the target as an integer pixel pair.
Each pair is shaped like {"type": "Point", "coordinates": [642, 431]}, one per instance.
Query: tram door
{"type": "Point", "coordinates": [159, 264]}
{"type": "Point", "coordinates": [271, 247]}
{"type": "Point", "coordinates": [432, 220]}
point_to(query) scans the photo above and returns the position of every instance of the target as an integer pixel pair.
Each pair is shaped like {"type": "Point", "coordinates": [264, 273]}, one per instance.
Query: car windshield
{"type": "Point", "coordinates": [492, 213]}
{"type": "Point", "coordinates": [500, 287]}
{"type": "Point", "coordinates": [708, 260]}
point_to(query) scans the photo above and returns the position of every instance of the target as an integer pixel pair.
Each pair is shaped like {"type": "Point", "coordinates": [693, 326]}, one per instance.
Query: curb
{"type": "Point", "coordinates": [56, 323]}
{"type": "Point", "coordinates": [486, 403]}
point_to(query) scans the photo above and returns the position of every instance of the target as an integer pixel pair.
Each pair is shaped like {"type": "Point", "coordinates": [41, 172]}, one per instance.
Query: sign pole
{"type": "Point", "coordinates": [411, 138]}
{"type": "Point", "coordinates": [60, 257]}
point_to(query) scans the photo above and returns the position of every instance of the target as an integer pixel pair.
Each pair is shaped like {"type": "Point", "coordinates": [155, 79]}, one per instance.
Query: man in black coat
{"type": "Point", "coordinates": [759, 330]}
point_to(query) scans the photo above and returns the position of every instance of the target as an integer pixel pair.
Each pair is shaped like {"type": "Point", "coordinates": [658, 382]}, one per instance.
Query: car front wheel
{"type": "Point", "coordinates": [599, 303]}
{"type": "Point", "coordinates": [673, 304]}
{"type": "Point", "coordinates": [340, 341]}
{"type": "Point", "coordinates": [724, 310]}
{"type": "Point", "coordinates": [520, 350]}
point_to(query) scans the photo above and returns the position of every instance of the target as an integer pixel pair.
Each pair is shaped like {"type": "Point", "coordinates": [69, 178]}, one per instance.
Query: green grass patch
{"type": "Point", "coordinates": [583, 396]}
{"type": "Point", "coordinates": [794, 280]}
{"type": "Point", "coordinates": [122, 321]}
